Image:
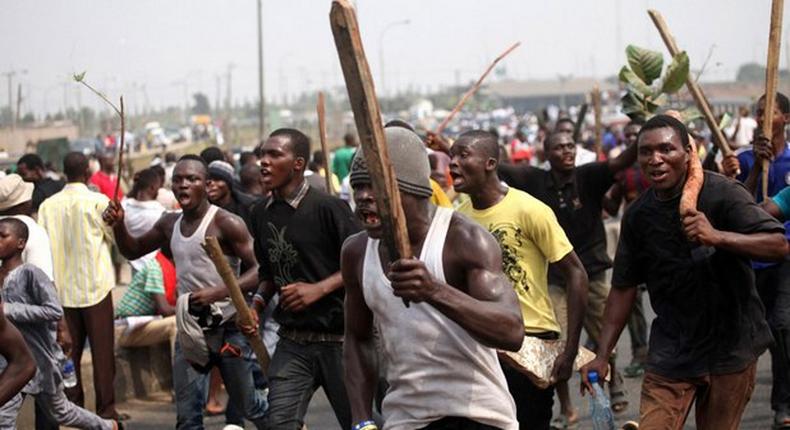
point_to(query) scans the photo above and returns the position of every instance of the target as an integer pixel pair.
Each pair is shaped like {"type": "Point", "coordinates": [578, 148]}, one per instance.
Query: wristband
{"type": "Point", "coordinates": [365, 425]}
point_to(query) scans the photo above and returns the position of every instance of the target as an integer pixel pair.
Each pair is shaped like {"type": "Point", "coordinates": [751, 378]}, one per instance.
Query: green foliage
{"type": "Point", "coordinates": [647, 91]}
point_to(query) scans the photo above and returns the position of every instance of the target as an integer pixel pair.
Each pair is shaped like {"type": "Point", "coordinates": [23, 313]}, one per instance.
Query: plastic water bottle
{"type": "Point", "coordinates": [600, 408]}
{"type": "Point", "coordinates": [69, 375]}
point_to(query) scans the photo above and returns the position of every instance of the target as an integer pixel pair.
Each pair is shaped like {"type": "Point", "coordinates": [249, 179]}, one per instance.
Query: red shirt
{"type": "Point", "coordinates": [106, 184]}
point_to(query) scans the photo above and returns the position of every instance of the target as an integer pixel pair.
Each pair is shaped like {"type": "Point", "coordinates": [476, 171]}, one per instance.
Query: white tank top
{"type": "Point", "coordinates": [194, 268]}
{"type": "Point", "coordinates": [434, 367]}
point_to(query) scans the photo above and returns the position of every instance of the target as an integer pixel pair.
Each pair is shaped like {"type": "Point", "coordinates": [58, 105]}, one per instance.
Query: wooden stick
{"type": "Point", "coordinates": [596, 101]}
{"type": "Point", "coordinates": [322, 136]}
{"type": "Point", "coordinates": [120, 155]}
{"type": "Point", "coordinates": [693, 87]}
{"type": "Point", "coordinates": [771, 75]}
{"type": "Point", "coordinates": [214, 251]}
{"type": "Point", "coordinates": [367, 116]}
{"type": "Point", "coordinates": [577, 128]}
{"type": "Point", "coordinates": [474, 88]}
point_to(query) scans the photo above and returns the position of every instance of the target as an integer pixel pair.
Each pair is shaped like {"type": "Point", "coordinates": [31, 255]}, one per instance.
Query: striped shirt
{"type": "Point", "coordinates": [80, 243]}
{"type": "Point", "coordinates": [139, 298]}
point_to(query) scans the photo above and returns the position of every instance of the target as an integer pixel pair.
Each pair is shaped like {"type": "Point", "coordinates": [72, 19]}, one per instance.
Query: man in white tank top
{"type": "Point", "coordinates": [183, 233]}
{"type": "Point", "coordinates": [439, 353]}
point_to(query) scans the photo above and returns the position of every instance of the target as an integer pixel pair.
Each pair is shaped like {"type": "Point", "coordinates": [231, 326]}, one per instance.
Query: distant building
{"type": "Point", "coordinates": [534, 95]}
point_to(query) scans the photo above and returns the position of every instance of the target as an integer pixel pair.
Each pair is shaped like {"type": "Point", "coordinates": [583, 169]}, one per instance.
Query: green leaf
{"type": "Point", "coordinates": [726, 121]}
{"type": "Point", "coordinates": [689, 114]}
{"type": "Point", "coordinates": [676, 74]}
{"type": "Point", "coordinates": [645, 63]}
{"type": "Point", "coordinates": [79, 76]}
{"type": "Point", "coordinates": [627, 76]}
{"type": "Point", "coordinates": [655, 104]}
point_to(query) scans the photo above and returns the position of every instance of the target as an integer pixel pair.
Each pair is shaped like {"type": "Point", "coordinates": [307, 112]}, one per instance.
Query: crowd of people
{"type": "Point", "coordinates": [512, 257]}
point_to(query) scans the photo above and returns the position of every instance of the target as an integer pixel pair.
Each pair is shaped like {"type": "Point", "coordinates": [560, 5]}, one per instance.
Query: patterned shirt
{"type": "Point", "coordinates": [139, 297]}
{"type": "Point", "coordinates": [80, 242]}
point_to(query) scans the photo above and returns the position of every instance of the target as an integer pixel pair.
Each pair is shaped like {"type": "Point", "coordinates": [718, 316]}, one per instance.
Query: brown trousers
{"type": "Point", "coordinates": [96, 324]}
{"type": "Point", "coordinates": [720, 400]}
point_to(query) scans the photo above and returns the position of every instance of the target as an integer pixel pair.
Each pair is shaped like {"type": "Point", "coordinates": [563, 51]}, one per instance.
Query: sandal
{"type": "Point", "coordinates": [619, 401]}
{"type": "Point", "coordinates": [634, 370]}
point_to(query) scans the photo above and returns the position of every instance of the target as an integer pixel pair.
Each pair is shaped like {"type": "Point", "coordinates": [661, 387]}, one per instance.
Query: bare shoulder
{"type": "Point", "coordinates": [470, 243]}
{"type": "Point", "coordinates": [229, 223]}
{"type": "Point", "coordinates": [354, 246]}
{"type": "Point", "coordinates": [167, 222]}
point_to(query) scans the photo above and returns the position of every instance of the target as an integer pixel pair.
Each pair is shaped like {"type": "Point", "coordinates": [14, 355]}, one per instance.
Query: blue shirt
{"type": "Point", "coordinates": [778, 179]}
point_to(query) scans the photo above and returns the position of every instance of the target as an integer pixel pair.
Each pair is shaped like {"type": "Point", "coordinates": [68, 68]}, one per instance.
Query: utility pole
{"type": "Point", "coordinates": [261, 103]}
{"type": "Point", "coordinates": [18, 105]}
{"type": "Point", "coordinates": [218, 94]}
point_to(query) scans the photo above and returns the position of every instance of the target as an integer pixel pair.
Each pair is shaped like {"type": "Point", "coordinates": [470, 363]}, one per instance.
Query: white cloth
{"type": "Point", "coordinates": [434, 367]}
{"type": "Point", "coordinates": [584, 156]}
{"type": "Point", "coordinates": [37, 251]}
{"type": "Point", "coordinates": [166, 198]}
{"type": "Point", "coordinates": [141, 217]}
{"type": "Point", "coordinates": [745, 132]}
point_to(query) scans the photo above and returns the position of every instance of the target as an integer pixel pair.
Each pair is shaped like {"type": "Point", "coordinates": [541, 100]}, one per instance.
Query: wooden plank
{"type": "Point", "coordinates": [596, 102]}
{"type": "Point", "coordinates": [367, 116]}
{"type": "Point", "coordinates": [474, 88]}
{"type": "Point", "coordinates": [243, 313]}
{"type": "Point", "coordinates": [577, 127]}
{"type": "Point", "coordinates": [696, 92]}
{"type": "Point", "coordinates": [771, 76]}
{"type": "Point", "coordinates": [320, 109]}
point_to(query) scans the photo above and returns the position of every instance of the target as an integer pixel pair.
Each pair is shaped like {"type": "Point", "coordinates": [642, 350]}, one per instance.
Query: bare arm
{"type": "Point", "coordinates": [756, 246]}
{"type": "Point", "coordinates": [613, 199]}
{"type": "Point", "coordinates": [576, 288]}
{"type": "Point", "coordinates": [162, 306]}
{"type": "Point", "coordinates": [237, 239]}
{"type": "Point", "coordinates": [623, 161]}
{"type": "Point", "coordinates": [360, 374]}
{"type": "Point", "coordinates": [483, 301]}
{"type": "Point", "coordinates": [618, 307]}
{"type": "Point", "coordinates": [21, 366]}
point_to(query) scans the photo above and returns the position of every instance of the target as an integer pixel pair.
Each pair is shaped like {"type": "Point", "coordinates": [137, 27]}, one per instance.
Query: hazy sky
{"type": "Point", "coordinates": [175, 45]}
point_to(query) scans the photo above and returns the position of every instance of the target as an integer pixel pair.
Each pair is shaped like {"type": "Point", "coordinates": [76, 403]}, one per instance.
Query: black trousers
{"type": "Point", "coordinates": [533, 404]}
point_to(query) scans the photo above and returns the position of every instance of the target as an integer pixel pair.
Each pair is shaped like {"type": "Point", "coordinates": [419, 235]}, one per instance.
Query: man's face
{"type": "Point", "coordinates": [366, 210]}
{"type": "Point", "coordinates": [217, 190]}
{"type": "Point", "coordinates": [9, 242]}
{"type": "Point", "coordinates": [562, 152]}
{"type": "Point", "coordinates": [189, 184]}
{"type": "Point", "coordinates": [469, 165]}
{"type": "Point", "coordinates": [278, 163]}
{"type": "Point", "coordinates": [630, 133]}
{"type": "Point", "coordinates": [28, 174]}
{"type": "Point", "coordinates": [662, 158]}
{"type": "Point", "coordinates": [564, 127]}
{"type": "Point", "coordinates": [780, 119]}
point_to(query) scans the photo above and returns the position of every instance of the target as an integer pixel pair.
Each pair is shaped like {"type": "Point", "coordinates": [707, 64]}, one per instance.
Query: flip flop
{"type": "Point", "coordinates": [619, 401]}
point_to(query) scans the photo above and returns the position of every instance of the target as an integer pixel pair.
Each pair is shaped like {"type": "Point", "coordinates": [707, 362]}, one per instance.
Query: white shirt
{"type": "Point", "coordinates": [141, 217]}
{"type": "Point", "coordinates": [37, 251]}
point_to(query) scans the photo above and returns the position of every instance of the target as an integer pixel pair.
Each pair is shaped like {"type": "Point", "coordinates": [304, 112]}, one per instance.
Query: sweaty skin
{"type": "Point", "coordinates": [477, 294]}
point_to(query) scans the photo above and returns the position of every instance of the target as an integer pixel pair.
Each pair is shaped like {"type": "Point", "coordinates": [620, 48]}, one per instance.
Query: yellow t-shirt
{"type": "Point", "coordinates": [530, 238]}
{"type": "Point", "coordinates": [439, 198]}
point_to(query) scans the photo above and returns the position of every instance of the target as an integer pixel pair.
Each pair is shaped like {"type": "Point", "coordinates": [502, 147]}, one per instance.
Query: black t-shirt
{"type": "Point", "coordinates": [577, 205]}
{"type": "Point", "coordinates": [44, 189]}
{"type": "Point", "coordinates": [303, 245]}
{"type": "Point", "coordinates": [709, 318]}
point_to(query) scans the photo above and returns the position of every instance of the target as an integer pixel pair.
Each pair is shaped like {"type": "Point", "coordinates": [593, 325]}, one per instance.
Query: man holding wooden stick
{"type": "Point", "coordinates": [773, 279]}
{"type": "Point", "coordinates": [298, 234]}
{"type": "Point", "coordinates": [438, 354]}
{"type": "Point", "coordinates": [184, 233]}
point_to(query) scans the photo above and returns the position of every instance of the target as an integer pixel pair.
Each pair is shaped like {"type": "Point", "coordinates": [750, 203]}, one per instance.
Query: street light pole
{"type": "Point", "coordinates": [261, 111]}
{"type": "Point", "coordinates": [381, 50]}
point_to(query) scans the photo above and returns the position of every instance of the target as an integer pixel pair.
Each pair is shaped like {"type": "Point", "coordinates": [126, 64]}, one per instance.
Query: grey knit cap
{"type": "Point", "coordinates": [408, 158]}
{"type": "Point", "coordinates": [221, 170]}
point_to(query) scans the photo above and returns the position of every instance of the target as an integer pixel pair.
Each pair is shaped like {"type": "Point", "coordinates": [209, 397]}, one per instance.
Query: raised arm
{"type": "Point", "coordinates": [135, 247]}
{"type": "Point", "coordinates": [21, 366]}
{"type": "Point", "coordinates": [623, 161]}
{"type": "Point", "coordinates": [360, 372]}
{"type": "Point", "coordinates": [482, 300]}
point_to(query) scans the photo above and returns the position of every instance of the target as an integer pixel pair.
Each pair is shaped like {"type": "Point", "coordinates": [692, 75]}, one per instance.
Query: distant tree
{"type": "Point", "coordinates": [202, 105]}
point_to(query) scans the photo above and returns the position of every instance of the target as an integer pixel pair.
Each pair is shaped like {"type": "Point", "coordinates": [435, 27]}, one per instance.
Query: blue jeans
{"type": "Point", "coordinates": [191, 385]}
{"type": "Point", "coordinates": [296, 371]}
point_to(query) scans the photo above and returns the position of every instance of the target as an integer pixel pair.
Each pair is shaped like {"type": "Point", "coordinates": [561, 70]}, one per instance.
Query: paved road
{"type": "Point", "coordinates": [157, 415]}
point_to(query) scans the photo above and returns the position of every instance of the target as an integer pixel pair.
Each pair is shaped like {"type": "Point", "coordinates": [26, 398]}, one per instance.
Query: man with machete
{"type": "Point", "coordinates": [438, 353]}
{"type": "Point", "coordinates": [710, 326]}
{"type": "Point", "coordinates": [183, 233]}
{"type": "Point", "coordinates": [298, 233]}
